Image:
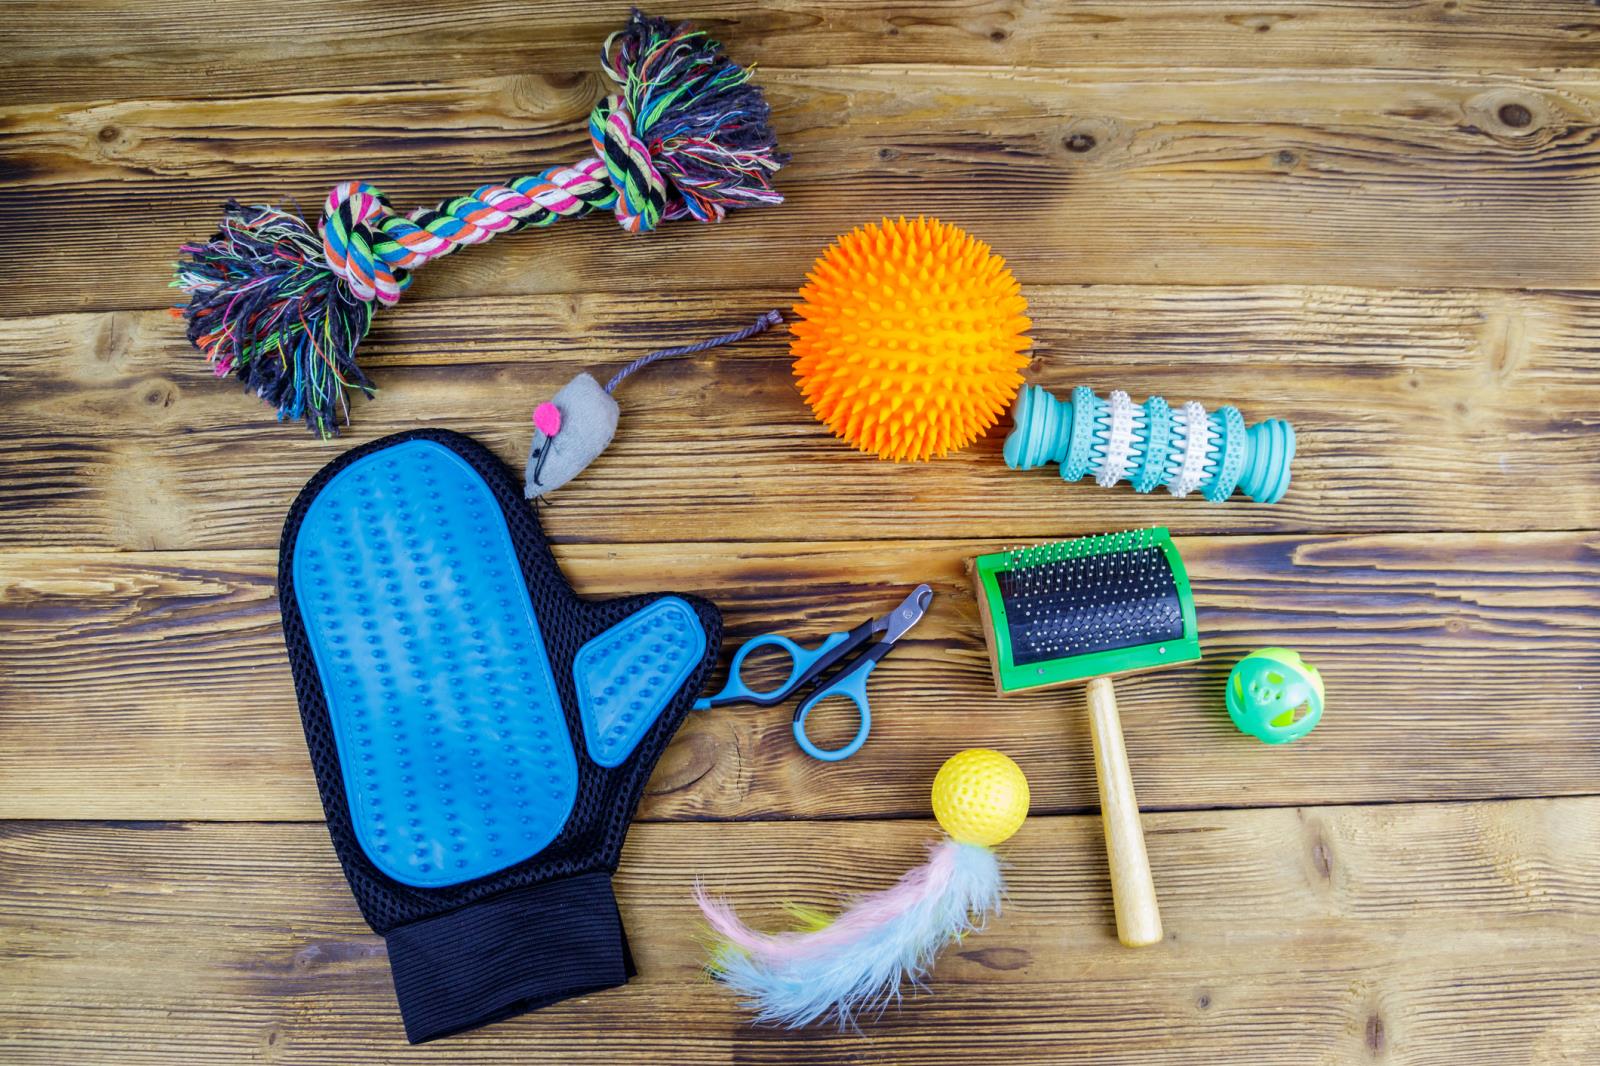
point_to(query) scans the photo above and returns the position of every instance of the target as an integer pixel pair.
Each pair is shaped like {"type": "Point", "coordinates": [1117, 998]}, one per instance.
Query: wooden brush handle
{"type": "Point", "coordinates": [1133, 893]}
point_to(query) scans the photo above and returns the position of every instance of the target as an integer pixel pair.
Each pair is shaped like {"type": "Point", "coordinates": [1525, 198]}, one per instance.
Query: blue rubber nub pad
{"type": "Point", "coordinates": [455, 757]}
{"type": "Point", "coordinates": [1086, 410]}
{"type": "Point", "coordinates": [446, 672]}
{"type": "Point", "coordinates": [626, 675]}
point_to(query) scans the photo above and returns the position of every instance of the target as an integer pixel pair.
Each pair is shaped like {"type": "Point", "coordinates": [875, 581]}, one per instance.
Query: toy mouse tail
{"type": "Point", "coordinates": [857, 962]}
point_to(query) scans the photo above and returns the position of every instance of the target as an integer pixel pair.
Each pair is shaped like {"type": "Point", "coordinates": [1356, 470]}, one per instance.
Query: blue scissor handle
{"type": "Point", "coordinates": [852, 685]}
{"type": "Point", "coordinates": [736, 691]}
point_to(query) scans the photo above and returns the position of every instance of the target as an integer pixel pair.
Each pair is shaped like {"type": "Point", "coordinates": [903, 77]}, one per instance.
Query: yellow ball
{"type": "Point", "coordinates": [980, 797]}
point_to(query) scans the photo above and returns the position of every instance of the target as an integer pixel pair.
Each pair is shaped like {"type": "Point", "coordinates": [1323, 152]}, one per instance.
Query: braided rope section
{"type": "Point", "coordinates": [283, 307]}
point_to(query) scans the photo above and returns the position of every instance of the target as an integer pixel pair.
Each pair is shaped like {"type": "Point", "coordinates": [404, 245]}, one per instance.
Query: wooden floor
{"type": "Point", "coordinates": [1380, 221]}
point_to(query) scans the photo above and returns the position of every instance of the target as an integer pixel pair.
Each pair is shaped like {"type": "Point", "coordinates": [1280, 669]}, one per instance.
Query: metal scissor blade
{"type": "Point", "coordinates": [908, 614]}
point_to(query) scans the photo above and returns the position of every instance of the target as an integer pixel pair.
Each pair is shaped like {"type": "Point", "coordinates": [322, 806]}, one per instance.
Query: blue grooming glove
{"type": "Point", "coordinates": [480, 735]}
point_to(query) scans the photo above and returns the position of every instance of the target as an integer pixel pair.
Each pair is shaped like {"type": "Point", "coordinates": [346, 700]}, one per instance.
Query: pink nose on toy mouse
{"type": "Point", "coordinates": [547, 419]}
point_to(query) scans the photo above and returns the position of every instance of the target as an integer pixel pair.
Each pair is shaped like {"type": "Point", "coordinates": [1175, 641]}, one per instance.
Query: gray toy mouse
{"type": "Point", "coordinates": [573, 427]}
{"type": "Point", "coordinates": [570, 432]}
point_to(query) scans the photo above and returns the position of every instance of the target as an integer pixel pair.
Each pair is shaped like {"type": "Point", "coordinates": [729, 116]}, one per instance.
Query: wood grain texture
{"type": "Point", "coordinates": [1415, 410]}
{"type": "Point", "coordinates": [87, 49]}
{"type": "Point", "coordinates": [1376, 220]}
{"type": "Point", "coordinates": [1434, 934]}
{"type": "Point", "coordinates": [155, 685]}
{"type": "Point", "coordinates": [1143, 176]}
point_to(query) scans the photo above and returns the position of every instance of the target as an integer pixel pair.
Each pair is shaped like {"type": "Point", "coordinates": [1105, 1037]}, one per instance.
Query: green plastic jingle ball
{"type": "Point", "coordinates": [1274, 695]}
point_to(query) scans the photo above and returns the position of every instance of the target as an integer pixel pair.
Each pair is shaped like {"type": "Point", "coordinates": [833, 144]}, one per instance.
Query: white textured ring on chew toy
{"type": "Point", "coordinates": [1151, 444]}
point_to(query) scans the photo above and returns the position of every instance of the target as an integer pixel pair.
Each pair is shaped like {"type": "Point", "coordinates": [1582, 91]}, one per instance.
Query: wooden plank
{"type": "Point", "coordinates": [1141, 176]}
{"type": "Point", "coordinates": [155, 685]}
{"type": "Point", "coordinates": [1416, 410]}
{"type": "Point", "coordinates": [84, 50]}
{"type": "Point", "coordinates": [1406, 935]}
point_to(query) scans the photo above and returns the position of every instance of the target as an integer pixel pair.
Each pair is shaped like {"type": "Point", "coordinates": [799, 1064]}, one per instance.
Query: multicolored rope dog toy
{"type": "Point", "coordinates": [283, 305]}
{"type": "Point", "coordinates": [1151, 444]}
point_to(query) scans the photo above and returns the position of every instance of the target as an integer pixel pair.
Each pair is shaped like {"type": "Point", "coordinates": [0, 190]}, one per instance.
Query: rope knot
{"type": "Point", "coordinates": [641, 190]}
{"type": "Point", "coordinates": [685, 134]}
{"type": "Point", "coordinates": [350, 217]}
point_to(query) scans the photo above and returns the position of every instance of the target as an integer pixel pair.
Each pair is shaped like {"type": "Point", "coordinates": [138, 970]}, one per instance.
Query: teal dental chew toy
{"type": "Point", "coordinates": [1274, 695]}
{"type": "Point", "coordinates": [1151, 444]}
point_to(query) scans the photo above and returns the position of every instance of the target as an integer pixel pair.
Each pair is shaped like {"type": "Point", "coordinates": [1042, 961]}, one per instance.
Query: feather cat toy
{"type": "Point", "coordinates": [283, 305]}
{"type": "Point", "coordinates": [857, 962]}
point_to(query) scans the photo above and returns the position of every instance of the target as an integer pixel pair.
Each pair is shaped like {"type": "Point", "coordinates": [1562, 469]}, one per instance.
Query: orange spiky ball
{"type": "Point", "coordinates": [908, 338]}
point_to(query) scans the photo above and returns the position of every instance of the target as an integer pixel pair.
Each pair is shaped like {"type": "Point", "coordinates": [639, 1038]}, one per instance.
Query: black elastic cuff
{"type": "Point", "coordinates": [513, 952]}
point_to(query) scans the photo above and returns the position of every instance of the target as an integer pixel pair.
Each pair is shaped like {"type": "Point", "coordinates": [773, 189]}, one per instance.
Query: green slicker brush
{"type": "Point", "coordinates": [1092, 609]}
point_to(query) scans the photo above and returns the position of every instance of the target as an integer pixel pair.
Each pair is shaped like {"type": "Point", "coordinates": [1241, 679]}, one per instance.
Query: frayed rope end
{"type": "Point", "coordinates": [265, 306]}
